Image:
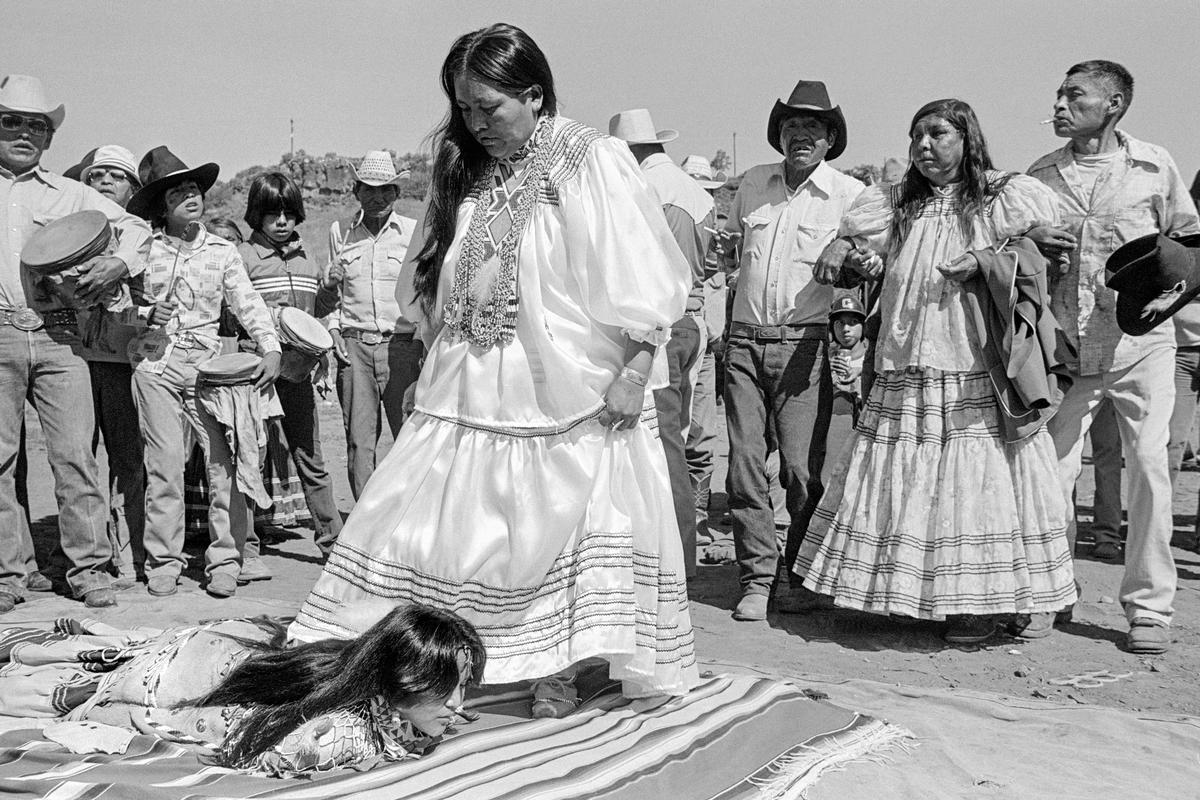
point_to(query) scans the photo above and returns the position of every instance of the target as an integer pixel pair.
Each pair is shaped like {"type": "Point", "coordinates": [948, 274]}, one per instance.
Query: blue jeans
{"type": "Point", "coordinates": [782, 389]}
{"type": "Point", "coordinates": [45, 366]}
{"type": "Point", "coordinates": [674, 404]}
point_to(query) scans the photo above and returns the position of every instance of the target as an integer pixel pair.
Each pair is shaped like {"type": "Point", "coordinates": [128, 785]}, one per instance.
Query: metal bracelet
{"type": "Point", "coordinates": [633, 376]}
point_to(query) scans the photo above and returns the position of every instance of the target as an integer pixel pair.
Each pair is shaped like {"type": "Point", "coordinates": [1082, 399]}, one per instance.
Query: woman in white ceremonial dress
{"type": "Point", "coordinates": [528, 492]}
{"type": "Point", "coordinates": [930, 513]}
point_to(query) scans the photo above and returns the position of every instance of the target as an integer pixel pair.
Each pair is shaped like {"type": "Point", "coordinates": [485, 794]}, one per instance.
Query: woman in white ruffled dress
{"type": "Point", "coordinates": [930, 514]}
{"type": "Point", "coordinates": [528, 492]}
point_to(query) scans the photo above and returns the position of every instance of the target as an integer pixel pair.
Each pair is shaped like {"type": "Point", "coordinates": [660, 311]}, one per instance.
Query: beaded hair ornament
{"type": "Point", "coordinates": [501, 213]}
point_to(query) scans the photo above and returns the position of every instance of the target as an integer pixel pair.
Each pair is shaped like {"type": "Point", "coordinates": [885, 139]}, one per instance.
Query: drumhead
{"type": "Point", "coordinates": [229, 369]}
{"type": "Point", "coordinates": [67, 242]}
{"type": "Point", "coordinates": [303, 331]}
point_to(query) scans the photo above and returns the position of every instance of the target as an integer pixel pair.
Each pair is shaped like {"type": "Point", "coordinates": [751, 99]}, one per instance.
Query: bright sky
{"type": "Point", "coordinates": [218, 81]}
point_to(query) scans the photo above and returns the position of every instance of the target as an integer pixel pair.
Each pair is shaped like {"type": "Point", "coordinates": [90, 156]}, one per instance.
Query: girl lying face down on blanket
{"type": "Point", "coordinates": [232, 690]}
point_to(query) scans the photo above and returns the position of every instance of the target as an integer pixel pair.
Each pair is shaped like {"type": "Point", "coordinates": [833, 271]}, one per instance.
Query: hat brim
{"type": "Point", "coordinates": [660, 137]}
{"type": "Point", "coordinates": [1132, 296]}
{"type": "Point", "coordinates": [782, 110]}
{"type": "Point", "coordinates": [56, 115]}
{"type": "Point", "coordinates": [707, 184]}
{"type": "Point", "coordinates": [143, 202]}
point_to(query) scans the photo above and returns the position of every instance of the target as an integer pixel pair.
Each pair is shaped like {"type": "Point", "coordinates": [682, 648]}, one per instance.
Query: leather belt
{"type": "Point", "coordinates": [186, 340]}
{"type": "Point", "coordinates": [26, 319]}
{"type": "Point", "coordinates": [375, 337]}
{"type": "Point", "coordinates": [777, 333]}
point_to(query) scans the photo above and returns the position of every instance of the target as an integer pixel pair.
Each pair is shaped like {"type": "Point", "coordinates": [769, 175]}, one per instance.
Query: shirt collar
{"type": "Point", "coordinates": [39, 172]}
{"type": "Point", "coordinates": [160, 235]}
{"type": "Point", "coordinates": [655, 160]}
{"type": "Point", "coordinates": [821, 178]}
{"type": "Point", "coordinates": [265, 246]}
{"type": "Point", "coordinates": [393, 221]}
{"type": "Point", "coordinates": [1135, 149]}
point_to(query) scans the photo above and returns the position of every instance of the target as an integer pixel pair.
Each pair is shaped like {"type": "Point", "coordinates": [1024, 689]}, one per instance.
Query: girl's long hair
{"type": "Point", "coordinates": [976, 188]}
{"type": "Point", "coordinates": [505, 56]}
{"type": "Point", "coordinates": [412, 652]}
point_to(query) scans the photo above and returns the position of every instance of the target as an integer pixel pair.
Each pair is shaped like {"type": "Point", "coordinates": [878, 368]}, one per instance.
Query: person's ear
{"type": "Point", "coordinates": [535, 98]}
{"type": "Point", "coordinates": [1116, 102]}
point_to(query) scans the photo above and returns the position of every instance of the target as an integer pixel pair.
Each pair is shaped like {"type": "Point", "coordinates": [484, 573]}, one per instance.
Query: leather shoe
{"type": "Point", "coordinates": [253, 569]}
{"type": "Point", "coordinates": [969, 629]}
{"type": "Point", "coordinates": [37, 582]}
{"type": "Point", "coordinates": [1033, 626]}
{"type": "Point", "coordinates": [100, 598]}
{"type": "Point", "coordinates": [751, 608]}
{"type": "Point", "coordinates": [222, 585]}
{"type": "Point", "coordinates": [8, 602]}
{"type": "Point", "coordinates": [162, 585]}
{"type": "Point", "coordinates": [1106, 551]}
{"type": "Point", "coordinates": [1148, 636]}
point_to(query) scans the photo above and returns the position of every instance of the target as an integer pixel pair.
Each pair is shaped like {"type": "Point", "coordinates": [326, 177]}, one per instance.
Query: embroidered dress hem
{"type": "Point", "coordinates": [929, 513]}
{"type": "Point", "coordinates": [558, 544]}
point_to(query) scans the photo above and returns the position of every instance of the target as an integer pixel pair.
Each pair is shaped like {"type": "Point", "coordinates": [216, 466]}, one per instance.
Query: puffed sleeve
{"type": "Point", "coordinates": [406, 292]}
{"type": "Point", "coordinates": [619, 247]}
{"type": "Point", "coordinates": [869, 219]}
{"type": "Point", "coordinates": [1023, 203]}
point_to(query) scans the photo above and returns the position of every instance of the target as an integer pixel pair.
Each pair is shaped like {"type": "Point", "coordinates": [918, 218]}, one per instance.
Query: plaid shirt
{"type": "Point", "coordinates": [1143, 193]}
{"type": "Point", "coordinates": [198, 277]}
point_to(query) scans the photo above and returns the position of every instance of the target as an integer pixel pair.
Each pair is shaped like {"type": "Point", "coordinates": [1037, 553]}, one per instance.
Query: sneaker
{"type": "Point", "coordinates": [1033, 626]}
{"type": "Point", "coordinates": [104, 597]}
{"type": "Point", "coordinates": [969, 629]}
{"type": "Point", "coordinates": [254, 569]}
{"type": "Point", "coordinates": [37, 582]}
{"type": "Point", "coordinates": [554, 697]}
{"type": "Point", "coordinates": [162, 585]}
{"type": "Point", "coordinates": [1106, 551]}
{"type": "Point", "coordinates": [751, 608]}
{"type": "Point", "coordinates": [1148, 636]}
{"type": "Point", "coordinates": [221, 584]}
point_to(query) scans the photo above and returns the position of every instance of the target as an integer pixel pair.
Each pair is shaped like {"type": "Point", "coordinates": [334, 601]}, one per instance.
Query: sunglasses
{"type": "Point", "coordinates": [15, 122]}
{"type": "Point", "coordinates": [116, 174]}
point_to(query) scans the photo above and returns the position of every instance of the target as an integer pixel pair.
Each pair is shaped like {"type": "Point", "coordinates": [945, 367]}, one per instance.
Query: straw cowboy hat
{"type": "Point", "coordinates": [701, 169]}
{"type": "Point", "coordinates": [636, 127]}
{"type": "Point", "coordinates": [161, 170]}
{"type": "Point", "coordinates": [111, 155]}
{"type": "Point", "coordinates": [24, 94]}
{"type": "Point", "coordinates": [1154, 276]}
{"type": "Point", "coordinates": [377, 169]}
{"type": "Point", "coordinates": [812, 97]}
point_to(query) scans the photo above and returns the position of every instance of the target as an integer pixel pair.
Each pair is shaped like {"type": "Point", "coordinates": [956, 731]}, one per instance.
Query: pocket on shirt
{"type": "Point", "coordinates": [757, 232]}
{"type": "Point", "coordinates": [811, 239]}
{"type": "Point", "coordinates": [1134, 222]}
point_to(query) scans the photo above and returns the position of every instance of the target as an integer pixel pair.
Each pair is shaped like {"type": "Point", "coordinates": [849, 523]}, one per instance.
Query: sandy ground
{"type": "Point", "coordinates": [830, 645]}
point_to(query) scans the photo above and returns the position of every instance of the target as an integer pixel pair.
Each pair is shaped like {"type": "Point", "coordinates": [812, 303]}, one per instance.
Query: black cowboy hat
{"type": "Point", "coordinates": [811, 97]}
{"type": "Point", "coordinates": [159, 170]}
{"type": "Point", "coordinates": [1154, 276]}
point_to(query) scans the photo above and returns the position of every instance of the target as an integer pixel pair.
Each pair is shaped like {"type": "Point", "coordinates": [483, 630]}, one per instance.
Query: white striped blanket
{"type": "Point", "coordinates": [733, 737]}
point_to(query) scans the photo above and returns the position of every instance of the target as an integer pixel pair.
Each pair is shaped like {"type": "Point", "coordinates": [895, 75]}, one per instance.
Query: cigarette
{"type": "Point", "coordinates": [1047, 121]}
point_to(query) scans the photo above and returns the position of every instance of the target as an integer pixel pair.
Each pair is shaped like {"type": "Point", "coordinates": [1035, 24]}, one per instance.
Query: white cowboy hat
{"type": "Point", "coordinates": [636, 127]}
{"type": "Point", "coordinates": [701, 169]}
{"type": "Point", "coordinates": [377, 169]}
{"type": "Point", "coordinates": [24, 94]}
{"type": "Point", "coordinates": [112, 155]}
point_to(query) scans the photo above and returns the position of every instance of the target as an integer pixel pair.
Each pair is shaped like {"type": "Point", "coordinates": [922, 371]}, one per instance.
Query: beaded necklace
{"type": "Point", "coordinates": [498, 220]}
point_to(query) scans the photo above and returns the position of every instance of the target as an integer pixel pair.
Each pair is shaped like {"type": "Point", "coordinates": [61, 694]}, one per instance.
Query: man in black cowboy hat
{"type": "Point", "coordinates": [777, 384]}
{"type": "Point", "coordinates": [1111, 189]}
{"type": "Point", "coordinates": [39, 344]}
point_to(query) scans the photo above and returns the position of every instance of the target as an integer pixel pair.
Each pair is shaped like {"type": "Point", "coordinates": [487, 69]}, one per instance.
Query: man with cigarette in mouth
{"type": "Point", "coordinates": [778, 386]}
{"type": "Point", "coordinates": [1112, 189]}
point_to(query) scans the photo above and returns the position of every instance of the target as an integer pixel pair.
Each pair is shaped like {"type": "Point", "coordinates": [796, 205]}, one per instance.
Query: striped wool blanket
{"type": "Point", "coordinates": [733, 737]}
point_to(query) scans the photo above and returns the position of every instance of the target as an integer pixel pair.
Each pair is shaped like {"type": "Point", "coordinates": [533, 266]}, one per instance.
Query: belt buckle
{"type": "Point", "coordinates": [371, 337]}
{"type": "Point", "coordinates": [27, 320]}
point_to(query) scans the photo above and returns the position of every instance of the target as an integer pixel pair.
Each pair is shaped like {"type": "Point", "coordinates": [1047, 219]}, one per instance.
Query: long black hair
{"type": "Point", "coordinates": [505, 56]}
{"type": "Point", "coordinates": [976, 189]}
{"type": "Point", "coordinates": [272, 193]}
{"type": "Point", "coordinates": [411, 652]}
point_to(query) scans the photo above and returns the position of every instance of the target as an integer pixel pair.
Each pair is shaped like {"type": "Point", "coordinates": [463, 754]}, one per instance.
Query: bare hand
{"type": "Point", "coordinates": [829, 265]}
{"type": "Point", "coordinates": [1052, 241]}
{"type": "Point", "coordinates": [99, 277]}
{"type": "Point", "coordinates": [409, 404]}
{"type": "Point", "coordinates": [960, 269]}
{"type": "Point", "coordinates": [337, 273]}
{"type": "Point", "coordinates": [725, 245]}
{"type": "Point", "coordinates": [339, 348]}
{"type": "Point", "coordinates": [267, 370]}
{"type": "Point", "coordinates": [161, 312]}
{"type": "Point", "coordinates": [865, 262]}
{"type": "Point", "coordinates": [622, 405]}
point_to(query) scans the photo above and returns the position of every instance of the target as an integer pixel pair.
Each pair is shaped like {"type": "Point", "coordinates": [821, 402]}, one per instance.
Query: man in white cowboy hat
{"type": "Point", "coordinates": [701, 445]}
{"type": "Point", "coordinates": [689, 212]}
{"type": "Point", "coordinates": [378, 355]}
{"type": "Point", "coordinates": [111, 171]}
{"type": "Point", "coordinates": [777, 371]}
{"type": "Point", "coordinates": [1113, 188]}
{"type": "Point", "coordinates": [39, 346]}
